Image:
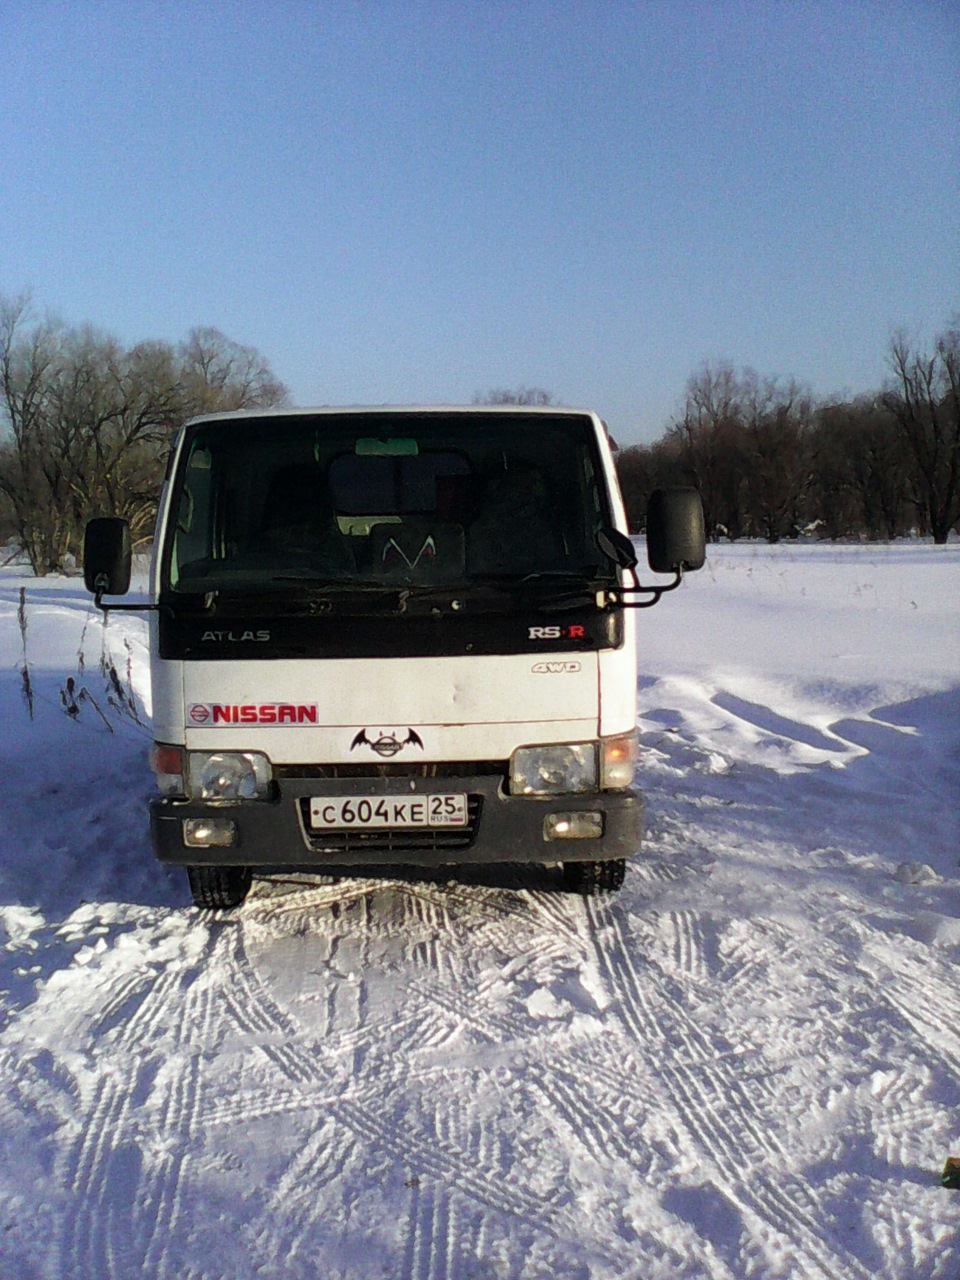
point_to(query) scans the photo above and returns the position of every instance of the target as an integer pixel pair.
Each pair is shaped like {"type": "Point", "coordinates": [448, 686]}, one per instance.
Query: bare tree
{"type": "Point", "coordinates": [90, 422]}
{"type": "Point", "coordinates": [218, 375]}
{"type": "Point", "coordinates": [535, 396]}
{"type": "Point", "coordinates": [30, 358]}
{"type": "Point", "coordinates": [742, 442]}
{"type": "Point", "coordinates": [643, 468]}
{"type": "Point", "coordinates": [777, 424]}
{"type": "Point", "coordinates": [924, 399]}
{"type": "Point", "coordinates": [859, 471]}
{"type": "Point", "coordinates": [710, 441]}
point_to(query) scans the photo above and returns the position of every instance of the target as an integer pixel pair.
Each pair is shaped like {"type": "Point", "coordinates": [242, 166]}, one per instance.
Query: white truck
{"type": "Point", "coordinates": [394, 637]}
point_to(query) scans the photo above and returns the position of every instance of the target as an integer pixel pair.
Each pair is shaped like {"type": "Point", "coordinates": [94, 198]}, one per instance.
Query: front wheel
{"type": "Point", "coordinates": [216, 888]}
{"type": "Point", "coordinates": [589, 878]}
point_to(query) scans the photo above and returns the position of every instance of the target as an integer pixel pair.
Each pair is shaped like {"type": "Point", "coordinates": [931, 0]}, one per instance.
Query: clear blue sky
{"type": "Point", "coordinates": [404, 201]}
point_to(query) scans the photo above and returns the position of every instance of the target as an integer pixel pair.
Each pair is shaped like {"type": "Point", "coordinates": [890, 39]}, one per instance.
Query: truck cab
{"type": "Point", "coordinates": [394, 637]}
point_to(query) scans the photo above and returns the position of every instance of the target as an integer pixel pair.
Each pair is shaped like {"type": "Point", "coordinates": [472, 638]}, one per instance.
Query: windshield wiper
{"type": "Point", "coordinates": [556, 588]}
{"type": "Point", "coordinates": [587, 575]}
{"type": "Point", "coordinates": [324, 582]}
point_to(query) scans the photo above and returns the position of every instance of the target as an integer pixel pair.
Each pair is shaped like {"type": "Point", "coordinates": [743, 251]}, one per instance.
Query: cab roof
{"type": "Point", "coordinates": [406, 410]}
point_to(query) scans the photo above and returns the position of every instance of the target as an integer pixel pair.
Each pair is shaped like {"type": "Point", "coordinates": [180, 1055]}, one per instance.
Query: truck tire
{"type": "Point", "coordinates": [589, 878]}
{"type": "Point", "coordinates": [215, 888]}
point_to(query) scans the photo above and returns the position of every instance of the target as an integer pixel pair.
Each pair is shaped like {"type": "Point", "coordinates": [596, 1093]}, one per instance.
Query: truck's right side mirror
{"type": "Point", "coordinates": [107, 556]}
{"type": "Point", "coordinates": [676, 538]}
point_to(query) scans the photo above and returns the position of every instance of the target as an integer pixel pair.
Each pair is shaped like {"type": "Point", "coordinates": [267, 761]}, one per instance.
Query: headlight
{"type": "Point", "coordinates": [553, 770]}
{"type": "Point", "coordinates": [228, 775]}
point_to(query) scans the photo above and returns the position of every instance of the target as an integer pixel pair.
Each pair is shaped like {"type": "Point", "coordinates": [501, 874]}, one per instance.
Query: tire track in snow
{"type": "Point", "coordinates": [471, 912]}
{"type": "Point", "coordinates": [607, 1122]}
{"type": "Point", "coordinates": [254, 1005]}
{"type": "Point", "coordinates": [317, 1068]}
{"type": "Point", "coordinates": [282, 1039]}
{"type": "Point", "coordinates": [276, 899]}
{"type": "Point", "coordinates": [205, 1010]}
{"type": "Point", "coordinates": [903, 1117]}
{"type": "Point", "coordinates": [114, 1011]}
{"type": "Point", "coordinates": [559, 912]}
{"type": "Point", "coordinates": [493, 1028]}
{"type": "Point", "coordinates": [931, 1008]}
{"type": "Point", "coordinates": [590, 1122]}
{"type": "Point", "coordinates": [90, 1166]}
{"type": "Point", "coordinates": [359, 1109]}
{"type": "Point", "coordinates": [601, 1125]}
{"type": "Point", "coordinates": [295, 1206]}
{"type": "Point", "coordinates": [701, 1096]}
{"type": "Point", "coordinates": [163, 1185]}
{"type": "Point", "coordinates": [178, 1127]}
{"type": "Point", "coordinates": [278, 1036]}
{"type": "Point", "coordinates": [697, 1056]}
{"type": "Point", "coordinates": [430, 1234]}
{"type": "Point", "coordinates": [748, 957]}
{"type": "Point", "coordinates": [104, 1168]}
{"type": "Point", "coordinates": [678, 1036]}
{"type": "Point", "coordinates": [688, 935]}
{"type": "Point", "coordinates": [412, 1150]}
{"type": "Point", "coordinates": [276, 1101]}
{"type": "Point", "coordinates": [307, 1070]}
{"type": "Point", "coordinates": [100, 1163]}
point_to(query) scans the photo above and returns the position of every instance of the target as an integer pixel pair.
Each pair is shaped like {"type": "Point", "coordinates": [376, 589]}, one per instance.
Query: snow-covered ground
{"type": "Point", "coordinates": [746, 1064]}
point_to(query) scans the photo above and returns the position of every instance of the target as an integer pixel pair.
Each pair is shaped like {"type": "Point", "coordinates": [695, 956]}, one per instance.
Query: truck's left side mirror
{"type": "Point", "coordinates": [676, 539]}
{"type": "Point", "coordinates": [106, 556]}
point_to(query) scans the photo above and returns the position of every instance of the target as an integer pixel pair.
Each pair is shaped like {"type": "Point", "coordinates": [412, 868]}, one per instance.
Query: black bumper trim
{"type": "Point", "coordinates": [273, 834]}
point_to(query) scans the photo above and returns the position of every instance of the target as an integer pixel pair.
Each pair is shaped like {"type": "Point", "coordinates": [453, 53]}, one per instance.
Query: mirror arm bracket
{"type": "Point", "coordinates": [122, 608]}
{"type": "Point", "coordinates": [654, 592]}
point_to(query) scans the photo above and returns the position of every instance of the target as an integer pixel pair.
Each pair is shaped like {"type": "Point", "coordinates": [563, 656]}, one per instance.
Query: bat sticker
{"type": "Point", "coordinates": [387, 744]}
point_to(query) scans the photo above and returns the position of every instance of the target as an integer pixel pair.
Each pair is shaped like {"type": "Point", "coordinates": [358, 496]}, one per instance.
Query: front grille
{"type": "Point", "coordinates": [443, 769]}
{"type": "Point", "coordinates": [392, 840]}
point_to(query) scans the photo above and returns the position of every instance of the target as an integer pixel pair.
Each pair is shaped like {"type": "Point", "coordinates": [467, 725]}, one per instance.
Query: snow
{"type": "Point", "coordinates": [746, 1064]}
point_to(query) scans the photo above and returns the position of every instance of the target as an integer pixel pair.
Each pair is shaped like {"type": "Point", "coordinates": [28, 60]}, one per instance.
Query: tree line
{"type": "Point", "coordinates": [773, 463]}
{"type": "Point", "coordinates": [87, 425]}
{"type": "Point", "coordinates": [89, 422]}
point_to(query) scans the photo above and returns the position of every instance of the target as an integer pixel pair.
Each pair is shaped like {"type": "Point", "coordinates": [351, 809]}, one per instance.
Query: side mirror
{"type": "Point", "coordinates": [107, 556]}
{"type": "Point", "coordinates": [676, 538]}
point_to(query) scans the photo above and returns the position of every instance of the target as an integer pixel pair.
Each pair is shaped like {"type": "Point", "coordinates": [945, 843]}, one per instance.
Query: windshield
{"type": "Point", "coordinates": [386, 500]}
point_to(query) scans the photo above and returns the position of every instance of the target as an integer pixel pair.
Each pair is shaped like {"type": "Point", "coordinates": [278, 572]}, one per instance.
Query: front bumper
{"type": "Point", "coordinates": [502, 828]}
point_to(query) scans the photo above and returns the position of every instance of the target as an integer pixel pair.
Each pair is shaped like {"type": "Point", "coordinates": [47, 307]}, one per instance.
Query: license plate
{"type": "Point", "coordinates": [372, 812]}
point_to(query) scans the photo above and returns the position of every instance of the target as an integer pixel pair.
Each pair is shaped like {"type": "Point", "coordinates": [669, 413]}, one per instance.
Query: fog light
{"type": "Point", "coordinates": [209, 833]}
{"type": "Point", "coordinates": [582, 824]}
